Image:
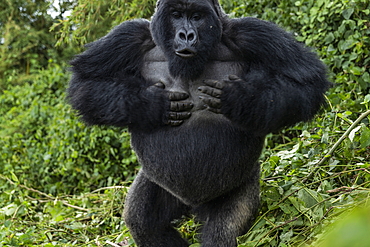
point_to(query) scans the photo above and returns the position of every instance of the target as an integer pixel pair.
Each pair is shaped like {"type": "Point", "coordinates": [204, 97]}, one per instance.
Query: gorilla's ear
{"type": "Point", "coordinates": [220, 12]}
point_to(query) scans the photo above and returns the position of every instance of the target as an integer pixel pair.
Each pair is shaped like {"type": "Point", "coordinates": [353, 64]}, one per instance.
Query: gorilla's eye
{"type": "Point", "coordinates": [176, 14]}
{"type": "Point", "coordinates": [196, 17]}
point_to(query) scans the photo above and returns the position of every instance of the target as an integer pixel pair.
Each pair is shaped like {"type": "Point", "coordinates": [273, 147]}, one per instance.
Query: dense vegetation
{"type": "Point", "coordinates": [63, 183]}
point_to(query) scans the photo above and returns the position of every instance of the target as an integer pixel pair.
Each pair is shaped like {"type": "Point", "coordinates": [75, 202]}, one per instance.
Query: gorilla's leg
{"type": "Point", "coordinates": [230, 215]}
{"type": "Point", "coordinates": [149, 210]}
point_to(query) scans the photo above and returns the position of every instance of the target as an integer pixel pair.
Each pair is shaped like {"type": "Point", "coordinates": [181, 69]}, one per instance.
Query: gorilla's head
{"type": "Point", "coordinates": [187, 31]}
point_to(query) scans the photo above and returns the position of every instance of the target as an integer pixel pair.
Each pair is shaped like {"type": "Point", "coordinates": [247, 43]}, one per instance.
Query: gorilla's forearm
{"type": "Point", "coordinates": [264, 105]}
{"type": "Point", "coordinates": [283, 83]}
{"type": "Point", "coordinates": [127, 101]}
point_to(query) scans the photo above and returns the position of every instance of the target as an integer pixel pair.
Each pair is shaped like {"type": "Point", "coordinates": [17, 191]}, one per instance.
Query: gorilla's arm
{"type": "Point", "coordinates": [283, 84]}
{"type": "Point", "coordinates": [107, 87]}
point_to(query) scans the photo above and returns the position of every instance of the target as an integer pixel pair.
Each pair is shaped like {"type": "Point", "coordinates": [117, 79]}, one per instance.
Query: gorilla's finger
{"type": "Point", "coordinates": [214, 92]}
{"type": "Point", "coordinates": [181, 106]}
{"type": "Point", "coordinates": [155, 87]}
{"type": "Point", "coordinates": [160, 85]}
{"type": "Point", "coordinates": [212, 102]}
{"type": "Point", "coordinates": [214, 83]}
{"type": "Point", "coordinates": [175, 122]}
{"type": "Point", "coordinates": [179, 115]}
{"type": "Point", "coordinates": [234, 77]}
{"type": "Point", "coordinates": [177, 95]}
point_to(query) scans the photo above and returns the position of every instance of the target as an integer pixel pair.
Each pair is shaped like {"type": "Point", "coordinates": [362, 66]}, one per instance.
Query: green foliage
{"type": "Point", "coordinates": [93, 19]}
{"type": "Point", "coordinates": [26, 43]}
{"type": "Point", "coordinates": [39, 134]}
{"type": "Point", "coordinates": [61, 181]}
{"type": "Point", "coordinates": [32, 218]}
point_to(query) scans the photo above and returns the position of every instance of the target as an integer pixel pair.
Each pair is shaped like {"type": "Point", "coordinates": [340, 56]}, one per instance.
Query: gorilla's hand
{"type": "Point", "coordinates": [212, 97]}
{"type": "Point", "coordinates": [179, 110]}
{"type": "Point", "coordinates": [214, 91]}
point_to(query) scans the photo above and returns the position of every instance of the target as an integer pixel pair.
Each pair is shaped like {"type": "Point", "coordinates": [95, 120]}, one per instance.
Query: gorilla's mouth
{"type": "Point", "coordinates": [186, 53]}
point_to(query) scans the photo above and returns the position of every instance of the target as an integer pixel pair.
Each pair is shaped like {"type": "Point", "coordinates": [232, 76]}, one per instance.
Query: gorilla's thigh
{"type": "Point", "coordinates": [149, 210]}
{"type": "Point", "coordinates": [230, 215]}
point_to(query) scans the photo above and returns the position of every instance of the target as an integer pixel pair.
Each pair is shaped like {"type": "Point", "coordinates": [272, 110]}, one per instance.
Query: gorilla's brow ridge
{"type": "Point", "coordinates": [197, 6]}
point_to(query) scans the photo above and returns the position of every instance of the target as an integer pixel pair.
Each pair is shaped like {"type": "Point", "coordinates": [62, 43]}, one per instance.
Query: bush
{"type": "Point", "coordinates": [44, 145]}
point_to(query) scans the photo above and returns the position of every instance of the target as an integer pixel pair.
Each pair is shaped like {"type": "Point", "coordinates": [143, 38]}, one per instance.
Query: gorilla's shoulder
{"type": "Point", "coordinates": [123, 47]}
{"type": "Point", "coordinates": [257, 39]}
{"type": "Point", "coordinates": [133, 33]}
{"type": "Point", "coordinates": [248, 26]}
{"type": "Point", "coordinates": [132, 27]}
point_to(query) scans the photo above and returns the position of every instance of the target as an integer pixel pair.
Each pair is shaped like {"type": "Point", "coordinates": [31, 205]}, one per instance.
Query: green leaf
{"type": "Point", "coordinates": [285, 237]}
{"type": "Point", "coordinates": [9, 209]}
{"type": "Point", "coordinates": [366, 99]}
{"type": "Point", "coordinates": [347, 13]}
{"type": "Point", "coordinates": [7, 223]}
{"type": "Point", "coordinates": [331, 48]}
{"type": "Point", "coordinates": [309, 197]}
{"type": "Point", "coordinates": [288, 209]}
{"type": "Point", "coordinates": [14, 177]}
{"type": "Point", "coordinates": [345, 44]}
{"type": "Point", "coordinates": [314, 11]}
{"type": "Point", "coordinates": [366, 77]}
{"type": "Point", "coordinates": [356, 71]}
{"type": "Point", "coordinates": [329, 38]}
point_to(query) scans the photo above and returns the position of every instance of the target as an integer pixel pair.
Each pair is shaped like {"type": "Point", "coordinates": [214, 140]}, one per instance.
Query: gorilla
{"type": "Point", "coordinates": [198, 92]}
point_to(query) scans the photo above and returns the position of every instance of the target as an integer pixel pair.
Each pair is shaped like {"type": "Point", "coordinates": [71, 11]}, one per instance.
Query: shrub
{"type": "Point", "coordinates": [44, 145]}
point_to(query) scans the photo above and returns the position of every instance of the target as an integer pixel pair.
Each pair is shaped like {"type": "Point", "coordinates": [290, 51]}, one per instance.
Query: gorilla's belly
{"type": "Point", "coordinates": [210, 153]}
{"type": "Point", "coordinates": [207, 149]}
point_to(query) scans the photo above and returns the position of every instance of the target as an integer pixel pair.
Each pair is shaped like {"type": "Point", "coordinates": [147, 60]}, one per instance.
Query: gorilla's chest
{"type": "Point", "coordinates": [156, 69]}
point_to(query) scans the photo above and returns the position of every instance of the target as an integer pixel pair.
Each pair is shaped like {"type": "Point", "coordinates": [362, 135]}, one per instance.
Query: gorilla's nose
{"type": "Point", "coordinates": [189, 36]}
{"type": "Point", "coordinates": [186, 37]}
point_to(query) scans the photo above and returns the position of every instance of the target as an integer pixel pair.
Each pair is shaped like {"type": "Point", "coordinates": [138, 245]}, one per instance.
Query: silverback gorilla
{"type": "Point", "coordinates": [199, 92]}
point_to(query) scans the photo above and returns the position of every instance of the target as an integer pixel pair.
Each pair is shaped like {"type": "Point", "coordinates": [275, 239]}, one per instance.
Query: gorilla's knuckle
{"type": "Point", "coordinates": [172, 116]}
{"type": "Point", "coordinates": [219, 85]}
{"type": "Point", "coordinates": [216, 93]}
{"type": "Point", "coordinates": [179, 106]}
{"type": "Point", "coordinates": [175, 122]}
{"type": "Point", "coordinates": [159, 85]}
{"type": "Point", "coordinates": [176, 96]}
{"type": "Point", "coordinates": [179, 115]}
{"type": "Point", "coordinates": [233, 77]}
{"type": "Point", "coordinates": [174, 106]}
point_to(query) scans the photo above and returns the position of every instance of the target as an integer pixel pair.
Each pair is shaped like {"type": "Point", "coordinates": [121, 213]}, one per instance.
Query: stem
{"type": "Point", "coordinates": [43, 194]}
{"type": "Point", "coordinates": [336, 145]}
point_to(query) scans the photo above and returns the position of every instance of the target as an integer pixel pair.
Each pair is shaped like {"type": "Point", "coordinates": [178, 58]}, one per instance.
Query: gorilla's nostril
{"type": "Point", "coordinates": [191, 37]}
{"type": "Point", "coordinates": [182, 36]}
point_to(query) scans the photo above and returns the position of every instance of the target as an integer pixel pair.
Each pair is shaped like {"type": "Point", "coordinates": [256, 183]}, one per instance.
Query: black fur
{"type": "Point", "coordinates": [199, 91]}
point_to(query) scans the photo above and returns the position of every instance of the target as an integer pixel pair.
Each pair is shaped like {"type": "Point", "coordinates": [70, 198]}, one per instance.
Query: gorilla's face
{"type": "Point", "coordinates": [187, 31]}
